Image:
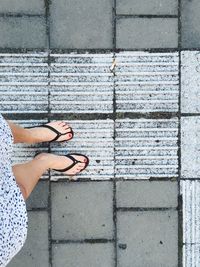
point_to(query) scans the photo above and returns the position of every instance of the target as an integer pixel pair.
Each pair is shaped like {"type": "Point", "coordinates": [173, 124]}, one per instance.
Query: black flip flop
{"type": "Point", "coordinates": [75, 161]}
{"type": "Point", "coordinates": [54, 130]}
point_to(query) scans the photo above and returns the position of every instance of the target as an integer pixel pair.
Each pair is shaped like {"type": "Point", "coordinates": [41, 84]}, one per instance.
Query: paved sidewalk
{"type": "Point", "coordinates": [125, 75]}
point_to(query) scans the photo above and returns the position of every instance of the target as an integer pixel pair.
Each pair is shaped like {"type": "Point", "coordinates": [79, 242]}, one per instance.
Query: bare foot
{"type": "Point", "coordinates": [62, 162]}
{"type": "Point", "coordinates": [43, 134]}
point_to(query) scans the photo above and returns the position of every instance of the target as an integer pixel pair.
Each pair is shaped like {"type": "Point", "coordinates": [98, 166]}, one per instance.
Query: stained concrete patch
{"type": "Point", "coordinates": [190, 81]}
{"type": "Point", "coordinates": [22, 32]}
{"type": "Point", "coordinates": [36, 248]}
{"type": "Point", "coordinates": [82, 210]}
{"type": "Point", "coordinates": [147, 239]}
{"type": "Point", "coordinates": [190, 155]}
{"type": "Point", "coordinates": [146, 7]}
{"type": "Point", "coordinates": [23, 6]}
{"type": "Point", "coordinates": [147, 194]}
{"type": "Point", "coordinates": [190, 32]}
{"type": "Point", "coordinates": [83, 255]}
{"type": "Point", "coordinates": [81, 24]}
{"type": "Point", "coordinates": [147, 33]}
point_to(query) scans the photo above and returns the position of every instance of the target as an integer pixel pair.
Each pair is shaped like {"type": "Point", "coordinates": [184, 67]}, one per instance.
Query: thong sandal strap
{"type": "Point", "coordinates": [54, 130]}
{"type": "Point", "coordinates": [69, 167]}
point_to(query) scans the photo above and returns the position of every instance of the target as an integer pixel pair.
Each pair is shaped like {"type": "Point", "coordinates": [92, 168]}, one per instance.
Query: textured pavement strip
{"type": "Point", "coordinates": [81, 83]}
{"type": "Point", "coordinates": [191, 211]}
{"type": "Point", "coordinates": [147, 82]}
{"type": "Point", "coordinates": [146, 148]}
{"type": "Point", "coordinates": [23, 82]}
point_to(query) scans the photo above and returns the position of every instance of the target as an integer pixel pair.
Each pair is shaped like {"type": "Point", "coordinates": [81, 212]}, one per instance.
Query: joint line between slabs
{"type": "Point", "coordinates": [180, 204]}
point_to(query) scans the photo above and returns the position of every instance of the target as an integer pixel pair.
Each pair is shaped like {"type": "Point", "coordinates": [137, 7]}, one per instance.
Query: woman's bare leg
{"type": "Point", "coordinates": [20, 134]}
{"type": "Point", "coordinates": [27, 174]}
{"type": "Point", "coordinates": [37, 135]}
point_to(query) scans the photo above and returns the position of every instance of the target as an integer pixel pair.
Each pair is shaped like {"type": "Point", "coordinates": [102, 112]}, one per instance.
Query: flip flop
{"type": "Point", "coordinates": [54, 130]}
{"type": "Point", "coordinates": [75, 161]}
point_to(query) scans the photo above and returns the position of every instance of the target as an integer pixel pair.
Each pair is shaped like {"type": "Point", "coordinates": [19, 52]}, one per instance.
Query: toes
{"type": "Point", "coordinates": [69, 135]}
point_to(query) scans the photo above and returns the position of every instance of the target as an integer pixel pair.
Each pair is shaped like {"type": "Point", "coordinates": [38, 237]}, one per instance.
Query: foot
{"type": "Point", "coordinates": [42, 134]}
{"type": "Point", "coordinates": [61, 162]}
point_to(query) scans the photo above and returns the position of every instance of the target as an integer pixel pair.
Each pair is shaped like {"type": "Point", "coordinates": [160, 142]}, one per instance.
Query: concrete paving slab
{"type": "Point", "coordinates": [87, 24]}
{"type": "Point", "coordinates": [82, 210]}
{"type": "Point", "coordinates": [190, 191]}
{"type": "Point", "coordinates": [147, 239]}
{"type": "Point", "coordinates": [190, 81]}
{"type": "Point", "coordinates": [83, 255]}
{"type": "Point", "coordinates": [190, 32]}
{"type": "Point", "coordinates": [39, 196]}
{"type": "Point", "coordinates": [35, 250]}
{"type": "Point", "coordinates": [190, 155]}
{"type": "Point", "coordinates": [145, 7]}
{"type": "Point", "coordinates": [23, 32]}
{"type": "Point", "coordinates": [23, 6]}
{"type": "Point", "coordinates": [146, 194]}
{"type": "Point", "coordinates": [147, 82]}
{"type": "Point", "coordinates": [191, 254]}
{"type": "Point", "coordinates": [93, 138]}
{"type": "Point", "coordinates": [147, 33]}
{"type": "Point", "coordinates": [81, 83]}
{"type": "Point", "coordinates": [146, 148]}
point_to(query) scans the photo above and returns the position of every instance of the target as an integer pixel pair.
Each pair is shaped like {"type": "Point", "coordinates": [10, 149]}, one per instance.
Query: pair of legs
{"type": "Point", "coordinates": [27, 174]}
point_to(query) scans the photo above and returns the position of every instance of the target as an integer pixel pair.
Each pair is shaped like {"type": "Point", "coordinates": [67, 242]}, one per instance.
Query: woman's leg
{"type": "Point", "coordinates": [27, 174]}
{"type": "Point", "coordinates": [20, 134]}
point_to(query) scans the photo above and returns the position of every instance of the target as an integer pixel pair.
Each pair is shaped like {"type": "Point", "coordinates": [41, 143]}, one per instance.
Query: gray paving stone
{"type": "Point", "coordinates": [81, 24]}
{"type": "Point", "coordinates": [190, 81]}
{"type": "Point", "coordinates": [83, 255]}
{"type": "Point", "coordinates": [146, 7]}
{"type": "Point", "coordinates": [190, 153]}
{"type": "Point", "coordinates": [148, 239]}
{"type": "Point", "coordinates": [23, 6]}
{"type": "Point", "coordinates": [82, 210]}
{"type": "Point", "coordinates": [147, 33]}
{"type": "Point", "coordinates": [22, 32]}
{"type": "Point", "coordinates": [190, 32]}
{"type": "Point", "coordinates": [147, 194]}
{"type": "Point", "coordinates": [39, 196]}
{"type": "Point", "coordinates": [35, 250]}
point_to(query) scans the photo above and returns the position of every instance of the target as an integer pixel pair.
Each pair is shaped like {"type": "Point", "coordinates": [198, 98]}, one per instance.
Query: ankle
{"type": "Point", "coordinates": [32, 136]}
{"type": "Point", "coordinates": [46, 159]}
